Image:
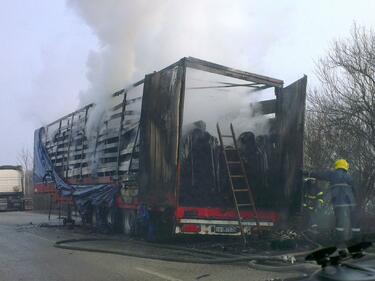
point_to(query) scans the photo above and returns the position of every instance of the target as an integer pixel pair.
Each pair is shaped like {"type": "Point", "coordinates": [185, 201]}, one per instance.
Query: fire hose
{"type": "Point", "coordinates": [221, 258]}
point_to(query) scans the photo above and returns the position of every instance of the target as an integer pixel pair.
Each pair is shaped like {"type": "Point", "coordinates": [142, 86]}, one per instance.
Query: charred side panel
{"type": "Point", "coordinates": [159, 134]}
{"type": "Point", "coordinates": [291, 110]}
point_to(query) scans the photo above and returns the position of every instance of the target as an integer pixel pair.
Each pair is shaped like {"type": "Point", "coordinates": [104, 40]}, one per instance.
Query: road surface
{"type": "Point", "coordinates": [27, 253]}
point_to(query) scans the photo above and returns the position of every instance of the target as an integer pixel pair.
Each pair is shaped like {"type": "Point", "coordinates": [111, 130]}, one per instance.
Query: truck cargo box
{"type": "Point", "coordinates": [157, 142]}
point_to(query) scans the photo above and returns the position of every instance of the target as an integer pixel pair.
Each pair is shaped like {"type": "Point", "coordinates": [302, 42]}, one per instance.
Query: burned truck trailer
{"type": "Point", "coordinates": [154, 160]}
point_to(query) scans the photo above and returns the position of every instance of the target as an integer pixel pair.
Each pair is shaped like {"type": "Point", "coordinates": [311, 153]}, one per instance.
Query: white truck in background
{"type": "Point", "coordinates": [11, 188]}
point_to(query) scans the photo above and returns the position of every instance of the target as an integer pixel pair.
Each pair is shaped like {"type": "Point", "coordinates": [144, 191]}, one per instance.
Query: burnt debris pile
{"type": "Point", "coordinates": [200, 165]}
{"type": "Point", "coordinates": [203, 176]}
{"type": "Point", "coordinates": [259, 154]}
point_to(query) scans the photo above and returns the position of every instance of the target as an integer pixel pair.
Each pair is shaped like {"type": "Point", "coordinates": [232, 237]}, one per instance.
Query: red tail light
{"type": "Point", "coordinates": [190, 228]}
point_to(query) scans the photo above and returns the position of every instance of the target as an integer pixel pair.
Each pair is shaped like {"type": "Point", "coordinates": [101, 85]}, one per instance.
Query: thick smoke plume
{"type": "Point", "coordinates": [137, 37]}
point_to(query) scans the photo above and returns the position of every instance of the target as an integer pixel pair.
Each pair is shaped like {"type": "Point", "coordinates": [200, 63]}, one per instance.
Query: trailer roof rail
{"type": "Point", "coordinates": [231, 72]}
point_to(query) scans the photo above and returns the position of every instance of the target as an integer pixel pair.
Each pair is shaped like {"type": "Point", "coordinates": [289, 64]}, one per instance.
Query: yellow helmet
{"type": "Point", "coordinates": [342, 164]}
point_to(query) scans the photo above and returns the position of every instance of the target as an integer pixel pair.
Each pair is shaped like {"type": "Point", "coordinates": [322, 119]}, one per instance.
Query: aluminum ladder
{"type": "Point", "coordinates": [239, 182]}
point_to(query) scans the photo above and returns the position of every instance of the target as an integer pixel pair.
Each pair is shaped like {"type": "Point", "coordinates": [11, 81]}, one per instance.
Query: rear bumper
{"type": "Point", "coordinates": [219, 221]}
{"type": "Point", "coordinates": [217, 227]}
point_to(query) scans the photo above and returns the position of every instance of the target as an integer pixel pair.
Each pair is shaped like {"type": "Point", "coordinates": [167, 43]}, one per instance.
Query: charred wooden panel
{"type": "Point", "coordinates": [159, 136]}
{"type": "Point", "coordinates": [76, 156]}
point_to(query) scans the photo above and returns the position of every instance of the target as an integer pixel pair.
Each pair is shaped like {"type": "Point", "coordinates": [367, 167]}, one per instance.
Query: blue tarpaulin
{"type": "Point", "coordinates": [84, 196]}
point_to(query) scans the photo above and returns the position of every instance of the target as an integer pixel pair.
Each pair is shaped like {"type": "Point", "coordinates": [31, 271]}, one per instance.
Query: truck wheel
{"type": "Point", "coordinates": [66, 221]}
{"type": "Point", "coordinates": [113, 220]}
{"type": "Point", "coordinates": [129, 221]}
{"type": "Point", "coordinates": [165, 232]}
{"type": "Point", "coordinates": [165, 225]}
{"type": "Point", "coordinates": [110, 218]}
{"type": "Point", "coordinates": [94, 217]}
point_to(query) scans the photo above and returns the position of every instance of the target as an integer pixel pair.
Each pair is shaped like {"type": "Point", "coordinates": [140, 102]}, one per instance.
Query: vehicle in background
{"type": "Point", "coordinates": [159, 145]}
{"type": "Point", "coordinates": [11, 188]}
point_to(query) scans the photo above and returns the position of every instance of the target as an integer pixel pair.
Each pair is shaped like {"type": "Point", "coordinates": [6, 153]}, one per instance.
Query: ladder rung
{"type": "Point", "coordinates": [243, 205]}
{"type": "Point", "coordinates": [235, 191]}
{"type": "Point", "coordinates": [240, 190]}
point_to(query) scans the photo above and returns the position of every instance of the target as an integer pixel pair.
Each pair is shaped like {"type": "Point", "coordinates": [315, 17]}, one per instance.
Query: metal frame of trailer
{"type": "Point", "coordinates": [137, 147]}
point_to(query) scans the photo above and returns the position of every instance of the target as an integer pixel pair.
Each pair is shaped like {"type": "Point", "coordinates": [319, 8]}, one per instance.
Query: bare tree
{"type": "Point", "coordinates": [25, 159]}
{"type": "Point", "coordinates": [341, 113]}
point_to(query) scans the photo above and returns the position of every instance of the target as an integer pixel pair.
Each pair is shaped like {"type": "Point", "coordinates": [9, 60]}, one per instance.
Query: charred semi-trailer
{"type": "Point", "coordinates": [158, 154]}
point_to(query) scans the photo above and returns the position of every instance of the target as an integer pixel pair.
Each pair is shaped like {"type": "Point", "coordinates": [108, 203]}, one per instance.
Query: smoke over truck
{"type": "Point", "coordinates": [155, 164]}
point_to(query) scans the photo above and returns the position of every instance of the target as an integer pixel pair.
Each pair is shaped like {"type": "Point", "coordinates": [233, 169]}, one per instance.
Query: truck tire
{"type": "Point", "coordinates": [160, 226]}
{"type": "Point", "coordinates": [113, 220]}
{"type": "Point", "coordinates": [165, 225]}
{"type": "Point", "coordinates": [94, 217]}
{"type": "Point", "coordinates": [129, 222]}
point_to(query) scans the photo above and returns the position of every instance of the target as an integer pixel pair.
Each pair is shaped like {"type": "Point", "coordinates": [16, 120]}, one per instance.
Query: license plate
{"type": "Point", "coordinates": [227, 229]}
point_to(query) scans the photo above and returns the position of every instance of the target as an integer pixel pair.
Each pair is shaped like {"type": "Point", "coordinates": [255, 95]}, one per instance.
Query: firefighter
{"type": "Point", "coordinates": [343, 199]}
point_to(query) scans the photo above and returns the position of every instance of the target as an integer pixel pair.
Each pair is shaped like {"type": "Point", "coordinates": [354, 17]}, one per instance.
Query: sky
{"type": "Point", "coordinates": [56, 56]}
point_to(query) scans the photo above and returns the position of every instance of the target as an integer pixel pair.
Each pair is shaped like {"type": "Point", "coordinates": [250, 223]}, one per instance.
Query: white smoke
{"type": "Point", "coordinates": [138, 37]}
{"type": "Point", "coordinates": [213, 99]}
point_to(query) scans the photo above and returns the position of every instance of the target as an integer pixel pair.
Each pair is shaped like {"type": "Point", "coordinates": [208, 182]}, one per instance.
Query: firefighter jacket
{"type": "Point", "coordinates": [341, 187]}
{"type": "Point", "coordinates": [313, 201]}
{"type": "Point", "coordinates": [313, 195]}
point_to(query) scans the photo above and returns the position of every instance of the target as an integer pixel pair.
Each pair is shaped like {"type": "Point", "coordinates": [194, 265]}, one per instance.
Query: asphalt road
{"type": "Point", "coordinates": [27, 253]}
